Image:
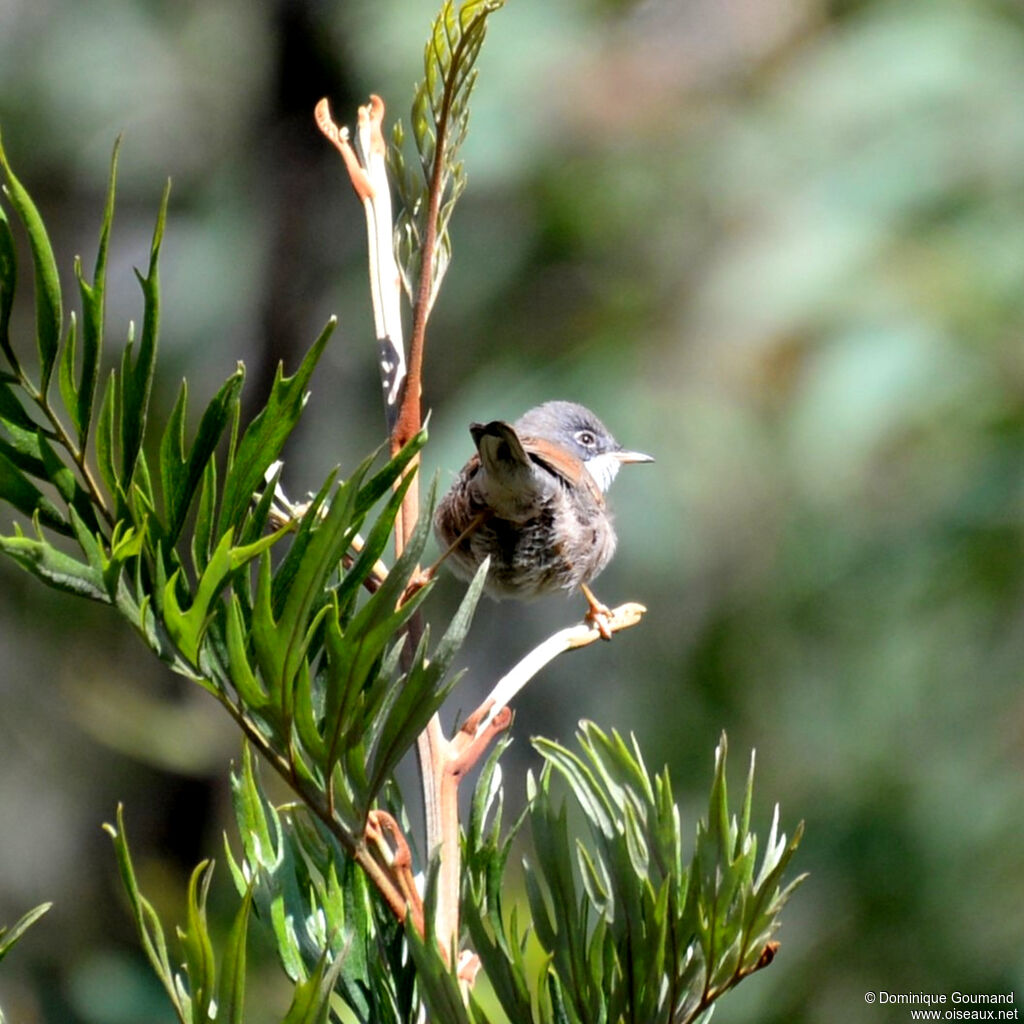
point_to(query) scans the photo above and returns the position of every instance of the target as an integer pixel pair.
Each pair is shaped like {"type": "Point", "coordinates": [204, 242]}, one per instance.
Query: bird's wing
{"type": "Point", "coordinates": [501, 452]}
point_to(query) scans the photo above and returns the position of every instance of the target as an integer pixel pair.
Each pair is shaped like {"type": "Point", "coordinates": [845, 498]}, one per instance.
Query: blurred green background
{"type": "Point", "coordinates": [779, 244]}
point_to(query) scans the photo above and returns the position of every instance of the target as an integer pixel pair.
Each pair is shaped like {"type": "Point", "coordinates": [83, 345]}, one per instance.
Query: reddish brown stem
{"type": "Point", "coordinates": [410, 415]}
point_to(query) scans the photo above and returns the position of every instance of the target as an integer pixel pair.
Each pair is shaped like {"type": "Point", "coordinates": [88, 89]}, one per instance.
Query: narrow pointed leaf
{"type": "Point", "coordinates": [311, 1003]}
{"type": "Point", "coordinates": [187, 627]}
{"type": "Point", "coordinates": [8, 937]}
{"type": "Point", "coordinates": [137, 368]}
{"type": "Point", "coordinates": [93, 312]}
{"type": "Point", "coordinates": [282, 645]}
{"type": "Point", "coordinates": [147, 922]}
{"type": "Point", "coordinates": [243, 678]}
{"type": "Point", "coordinates": [63, 477]}
{"type": "Point", "coordinates": [8, 283]}
{"type": "Point", "coordinates": [202, 534]}
{"type": "Point", "coordinates": [231, 985]}
{"type": "Point", "coordinates": [382, 481]}
{"type": "Point", "coordinates": [66, 371]}
{"type": "Point", "coordinates": [188, 474]}
{"type": "Point", "coordinates": [49, 311]}
{"type": "Point", "coordinates": [264, 438]}
{"type": "Point", "coordinates": [22, 447]}
{"type": "Point", "coordinates": [198, 946]}
{"type": "Point", "coordinates": [12, 411]}
{"type": "Point", "coordinates": [20, 492]}
{"type": "Point", "coordinates": [172, 451]}
{"type": "Point", "coordinates": [106, 430]}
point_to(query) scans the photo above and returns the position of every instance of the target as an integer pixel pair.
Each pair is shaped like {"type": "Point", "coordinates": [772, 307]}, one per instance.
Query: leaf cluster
{"type": "Point", "coordinates": [176, 543]}
{"type": "Point", "coordinates": [629, 930]}
{"type": "Point", "coordinates": [319, 906]}
{"type": "Point", "coordinates": [439, 121]}
{"type": "Point", "coordinates": [296, 628]}
{"type": "Point", "coordinates": [210, 985]}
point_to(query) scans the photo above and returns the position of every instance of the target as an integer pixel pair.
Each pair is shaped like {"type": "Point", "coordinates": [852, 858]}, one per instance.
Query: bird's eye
{"type": "Point", "coordinates": [586, 438]}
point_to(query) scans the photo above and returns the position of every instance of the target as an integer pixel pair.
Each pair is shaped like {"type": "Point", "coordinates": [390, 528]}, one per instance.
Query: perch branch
{"type": "Point", "coordinates": [570, 639]}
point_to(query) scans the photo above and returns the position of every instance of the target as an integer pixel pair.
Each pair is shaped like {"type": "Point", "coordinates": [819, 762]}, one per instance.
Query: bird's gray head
{"type": "Point", "coordinates": [576, 429]}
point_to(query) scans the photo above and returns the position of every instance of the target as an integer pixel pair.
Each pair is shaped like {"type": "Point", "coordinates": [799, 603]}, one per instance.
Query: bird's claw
{"type": "Point", "coordinates": [599, 615]}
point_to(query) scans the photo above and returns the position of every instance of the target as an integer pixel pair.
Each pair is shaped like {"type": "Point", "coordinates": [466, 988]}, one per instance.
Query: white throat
{"type": "Point", "coordinates": [603, 468]}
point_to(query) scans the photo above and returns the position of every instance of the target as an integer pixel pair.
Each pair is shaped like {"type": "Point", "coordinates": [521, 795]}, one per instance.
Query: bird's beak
{"type": "Point", "coordinates": [625, 457]}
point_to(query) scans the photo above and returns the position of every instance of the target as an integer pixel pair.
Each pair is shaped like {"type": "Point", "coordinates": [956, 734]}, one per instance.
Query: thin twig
{"type": "Point", "coordinates": [390, 878]}
{"type": "Point", "coordinates": [77, 454]}
{"type": "Point", "coordinates": [569, 639]}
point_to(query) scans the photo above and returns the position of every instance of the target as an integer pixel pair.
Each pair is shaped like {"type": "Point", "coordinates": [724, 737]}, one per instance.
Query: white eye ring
{"type": "Point", "coordinates": [586, 438]}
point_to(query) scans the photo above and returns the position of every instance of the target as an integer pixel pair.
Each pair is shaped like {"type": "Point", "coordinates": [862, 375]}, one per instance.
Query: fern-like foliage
{"type": "Point", "coordinates": [629, 928]}
{"type": "Point", "coordinates": [320, 906]}
{"type": "Point", "coordinates": [303, 651]}
{"type": "Point", "coordinates": [208, 984]}
{"type": "Point", "coordinates": [439, 122]}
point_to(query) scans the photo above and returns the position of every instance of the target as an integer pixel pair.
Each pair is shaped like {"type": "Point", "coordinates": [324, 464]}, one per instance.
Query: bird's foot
{"type": "Point", "coordinates": [599, 615]}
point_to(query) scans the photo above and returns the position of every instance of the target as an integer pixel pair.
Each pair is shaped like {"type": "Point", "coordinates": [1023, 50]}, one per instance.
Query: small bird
{"type": "Point", "coordinates": [532, 498]}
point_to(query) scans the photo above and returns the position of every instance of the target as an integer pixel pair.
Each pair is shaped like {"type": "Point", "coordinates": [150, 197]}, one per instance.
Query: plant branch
{"type": "Point", "coordinates": [367, 171]}
{"type": "Point", "coordinates": [390, 873]}
{"type": "Point", "coordinates": [77, 455]}
{"type": "Point", "coordinates": [442, 763]}
{"type": "Point", "coordinates": [570, 639]}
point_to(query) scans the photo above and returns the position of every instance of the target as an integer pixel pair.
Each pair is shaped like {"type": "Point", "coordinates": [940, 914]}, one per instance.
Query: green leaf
{"type": "Point", "coordinates": [136, 380]}
{"type": "Point", "coordinates": [8, 282]}
{"type": "Point", "coordinates": [198, 947]}
{"type": "Point", "coordinates": [437, 981]}
{"type": "Point", "coordinates": [151, 932]}
{"type": "Point", "coordinates": [311, 519]}
{"type": "Point", "coordinates": [380, 534]}
{"type": "Point", "coordinates": [55, 568]}
{"type": "Point", "coordinates": [66, 369]}
{"type": "Point", "coordinates": [20, 492]}
{"type": "Point", "coordinates": [269, 865]}
{"type": "Point", "coordinates": [384, 479]}
{"type": "Point", "coordinates": [49, 312]}
{"type": "Point", "coordinates": [265, 436]}
{"type": "Point", "coordinates": [181, 475]}
{"type": "Point", "coordinates": [24, 450]}
{"type": "Point", "coordinates": [281, 640]}
{"type": "Point", "coordinates": [187, 627]}
{"type": "Point", "coordinates": [93, 313]}
{"type": "Point", "coordinates": [12, 412]}
{"type": "Point", "coordinates": [244, 680]}
{"type": "Point", "coordinates": [231, 986]}
{"type": "Point", "coordinates": [311, 1003]}
{"type": "Point", "coordinates": [64, 479]}
{"type": "Point", "coordinates": [423, 691]}
{"type": "Point", "coordinates": [351, 658]}
{"type": "Point", "coordinates": [202, 534]}
{"type": "Point", "coordinates": [9, 936]}
{"type": "Point", "coordinates": [105, 433]}
{"type": "Point", "coordinates": [172, 451]}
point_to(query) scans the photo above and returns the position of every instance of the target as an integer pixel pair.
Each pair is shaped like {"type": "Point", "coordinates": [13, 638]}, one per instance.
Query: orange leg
{"type": "Point", "coordinates": [598, 614]}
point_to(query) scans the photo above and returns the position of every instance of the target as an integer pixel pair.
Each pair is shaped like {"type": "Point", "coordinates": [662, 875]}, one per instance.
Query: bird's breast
{"type": "Point", "coordinates": [555, 538]}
